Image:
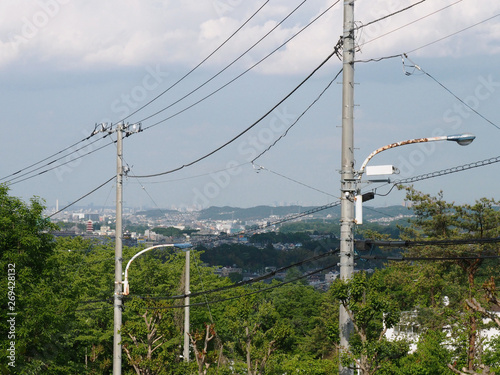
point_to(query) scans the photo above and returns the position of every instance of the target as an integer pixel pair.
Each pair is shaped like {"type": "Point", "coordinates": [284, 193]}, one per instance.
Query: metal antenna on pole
{"type": "Point", "coordinates": [347, 177]}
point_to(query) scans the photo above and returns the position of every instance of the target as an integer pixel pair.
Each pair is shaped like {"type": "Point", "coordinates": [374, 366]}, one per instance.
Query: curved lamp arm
{"type": "Point", "coordinates": [461, 139]}
{"type": "Point", "coordinates": [125, 281]}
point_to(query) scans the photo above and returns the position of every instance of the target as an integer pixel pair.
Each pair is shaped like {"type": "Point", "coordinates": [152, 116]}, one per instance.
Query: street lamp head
{"type": "Point", "coordinates": [461, 139]}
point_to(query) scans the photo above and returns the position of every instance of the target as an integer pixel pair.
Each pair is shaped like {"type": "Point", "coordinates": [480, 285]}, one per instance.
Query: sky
{"type": "Point", "coordinates": [198, 74]}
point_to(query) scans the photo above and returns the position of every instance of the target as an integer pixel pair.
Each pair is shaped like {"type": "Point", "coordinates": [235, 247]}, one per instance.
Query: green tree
{"type": "Point", "coordinates": [39, 302]}
{"type": "Point", "coordinates": [254, 331]}
{"type": "Point", "coordinates": [372, 311]}
{"type": "Point", "coordinates": [430, 358]}
{"type": "Point", "coordinates": [436, 219]}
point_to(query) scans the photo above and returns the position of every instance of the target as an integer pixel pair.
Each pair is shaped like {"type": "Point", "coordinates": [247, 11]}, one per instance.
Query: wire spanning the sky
{"type": "Point", "coordinates": [334, 53]}
{"type": "Point", "coordinates": [246, 70]}
{"type": "Point", "coordinates": [69, 156]}
{"type": "Point", "coordinates": [199, 64]}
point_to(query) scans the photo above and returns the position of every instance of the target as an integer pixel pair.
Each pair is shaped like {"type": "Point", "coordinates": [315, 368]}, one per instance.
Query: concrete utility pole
{"type": "Point", "coordinates": [186, 308]}
{"type": "Point", "coordinates": [117, 346]}
{"type": "Point", "coordinates": [347, 177]}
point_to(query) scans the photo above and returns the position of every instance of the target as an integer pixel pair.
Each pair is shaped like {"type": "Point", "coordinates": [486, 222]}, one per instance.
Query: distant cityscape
{"type": "Point", "coordinates": [212, 221]}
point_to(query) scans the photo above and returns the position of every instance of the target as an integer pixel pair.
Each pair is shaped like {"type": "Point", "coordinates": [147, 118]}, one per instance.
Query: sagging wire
{"type": "Point", "coordinates": [255, 123]}
{"type": "Point", "coordinates": [302, 114]}
{"type": "Point", "coordinates": [258, 168]}
{"type": "Point", "coordinates": [246, 294]}
{"type": "Point", "coordinates": [417, 67]}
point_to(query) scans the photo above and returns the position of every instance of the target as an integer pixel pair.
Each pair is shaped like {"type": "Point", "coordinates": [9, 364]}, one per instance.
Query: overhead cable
{"type": "Point", "coordinates": [298, 118]}
{"type": "Point", "coordinates": [443, 172]}
{"type": "Point", "coordinates": [449, 91]}
{"type": "Point", "coordinates": [18, 177]}
{"type": "Point", "coordinates": [247, 282]}
{"type": "Point", "coordinates": [226, 67]}
{"type": "Point", "coordinates": [223, 299]}
{"type": "Point", "coordinates": [410, 23]}
{"type": "Point", "coordinates": [200, 63]}
{"type": "Point", "coordinates": [409, 259]}
{"type": "Point", "coordinates": [62, 164]}
{"type": "Point", "coordinates": [335, 51]}
{"type": "Point", "coordinates": [453, 34]}
{"type": "Point", "coordinates": [244, 72]}
{"type": "Point", "coordinates": [259, 167]}
{"type": "Point", "coordinates": [392, 14]}
{"type": "Point", "coordinates": [49, 157]}
{"type": "Point", "coordinates": [246, 294]}
{"type": "Point", "coordinates": [86, 195]}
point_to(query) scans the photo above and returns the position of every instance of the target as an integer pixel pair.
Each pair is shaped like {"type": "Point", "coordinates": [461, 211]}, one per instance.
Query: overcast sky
{"type": "Point", "coordinates": [66, 65]}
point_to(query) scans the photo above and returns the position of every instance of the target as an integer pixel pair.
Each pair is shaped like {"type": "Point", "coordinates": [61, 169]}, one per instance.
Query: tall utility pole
{"type": "Point", "coordinates": [186, 307]}
{"type": "Point", "coordinates": [347, 177]}
{"type": "Point", "coordinates": [117, 346]}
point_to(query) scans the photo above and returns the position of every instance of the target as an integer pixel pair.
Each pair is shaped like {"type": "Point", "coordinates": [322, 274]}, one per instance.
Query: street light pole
{"type": "Point", "coordinates": [347, 179]}
{"type": "Point", "coordinates": [461, 139]}
{"type": "Point", "coordinates": [126, 287]}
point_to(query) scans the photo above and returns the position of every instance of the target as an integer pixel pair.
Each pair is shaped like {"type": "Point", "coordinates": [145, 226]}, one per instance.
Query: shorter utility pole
{"type": "Point", "coordinates": [117, 345]}
{"type": "Point", "coordinates": [186, 307]}
{"type": "Point", "coordinates": [121, 129]}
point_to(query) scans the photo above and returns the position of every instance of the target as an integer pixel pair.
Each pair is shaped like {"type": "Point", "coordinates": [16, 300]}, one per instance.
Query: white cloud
{"type": "Point", "coordinates": [85, 34]}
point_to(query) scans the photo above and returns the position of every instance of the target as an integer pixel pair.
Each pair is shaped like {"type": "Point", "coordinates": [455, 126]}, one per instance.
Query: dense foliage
{"type": "Point", "coordinates": [437, 308]}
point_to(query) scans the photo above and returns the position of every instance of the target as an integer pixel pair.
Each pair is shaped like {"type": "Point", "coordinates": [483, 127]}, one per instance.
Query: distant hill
{"type": "Point", "coordinates": [157, 213]}
{"type": "Point", "coordinates": [264, 212]}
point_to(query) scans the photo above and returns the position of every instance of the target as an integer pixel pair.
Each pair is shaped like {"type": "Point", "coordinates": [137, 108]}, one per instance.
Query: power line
{"type": "Point", "coordinates": [449, 91]}
{"type": "Point", "coordinates": [392, 14]}
{"type": "Point", "coordinates": [298, 118]}
{"type": "Point", "coordinates": [93, 133]}
{"type": "Point", "coordinates": [443, 172]}
{"type": "Point", "coordinates": [83, 196]}
{"type": "Point", "coordinates": [247, 282]}
{"type": "Point", "coordinates": [20, 179]}
{"type": "Point", "coordinates": [453, 34]}
{"type": "Point", "coordinates": [197, 176]}
{"type": "Point", "coordinates": [410, 23]}
{"type": "Point", "coordinates": [259, 167]}
{"type": "Point", "coordinates": [411, 243]}
{"type": "Point", "coordinates": [409, 259]}
{"type": "Point", "coordinates": [251, 126]}
{"type": "Point", "coordinates": [244, 72]}
{"type": "Point", "coordinates": [426, 45]}
{"type": "Point", "coordinates": [228, 298]}
{"type": "Point", "coordinates": [227, 66]}
{"type": "Point", "coordinates": [233, 286]}
{"type": "Point", "coordinates": [50, 157]}
{"type": "Point", "coordinates": [246, 294]}
{"type": "Point", "coordinates": [201, 62]}
{"type": "Point", "coordinates": [440, 173]}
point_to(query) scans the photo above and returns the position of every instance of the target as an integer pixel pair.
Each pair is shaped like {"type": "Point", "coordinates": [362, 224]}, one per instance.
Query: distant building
{"type": "Point", "coordinates": [93, 217]}
{"type": "Point", "coordinates": [225, 271]}
{"type": "Point", "coordinates": [331, 276]}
